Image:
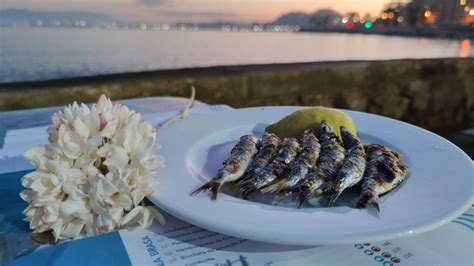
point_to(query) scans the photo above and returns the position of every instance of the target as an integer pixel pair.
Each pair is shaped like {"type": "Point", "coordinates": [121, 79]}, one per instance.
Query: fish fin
{"type": "Point", "coordinates": [331, 192]}
{"type": "Point", "coordinates": [274, 187]}
{"type": "Point", "coordinates": [305, 192]}
{"type": "Point", "coordinates": [323, 188]}
{"type": "Point", "coordinates": [367, 199]}
{"type": "Point", "coordinates": [212, 186]}
{"type": "Point", "coordinates": [374, 202]}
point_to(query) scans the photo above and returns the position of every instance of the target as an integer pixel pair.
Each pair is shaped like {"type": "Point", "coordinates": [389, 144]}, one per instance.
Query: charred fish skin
{"type": "Point", "coordinates": [384, 172]}
{"type": "Point", "coordinates": [328, 164]}
{"type": "Point", "coordinates": [352, 169]}
{"type": "Point", "coordinates": [290, 148]}
{"type": "Point", "coordinates": [276, 169]}
{"type": "Point", "coordinates": [234, 167]}
{"type": "Point", "coordinates": [299, 167]}
{"type": "Point", "coordinates": [268, 149]}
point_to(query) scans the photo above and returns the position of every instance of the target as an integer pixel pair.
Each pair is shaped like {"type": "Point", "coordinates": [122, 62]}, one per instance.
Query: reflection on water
{"type": "Point", "coordinates": [465, 48]}
{"type": "Point", "coordinates": [45, 53]}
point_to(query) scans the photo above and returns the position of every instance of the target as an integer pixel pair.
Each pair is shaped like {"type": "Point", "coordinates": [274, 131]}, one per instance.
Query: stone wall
{"type": "Point", "coordinates": [437, 94]}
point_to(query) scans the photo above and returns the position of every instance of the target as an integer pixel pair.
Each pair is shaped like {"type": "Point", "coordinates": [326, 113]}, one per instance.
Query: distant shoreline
{"type": "Point", "coordinates": [395, 32]}
{"type": "Point", "coordinates": [409, 33]}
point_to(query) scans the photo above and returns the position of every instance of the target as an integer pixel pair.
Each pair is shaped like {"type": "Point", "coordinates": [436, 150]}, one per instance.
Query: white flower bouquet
{"type": "Point", "coordinates": [94, 173]}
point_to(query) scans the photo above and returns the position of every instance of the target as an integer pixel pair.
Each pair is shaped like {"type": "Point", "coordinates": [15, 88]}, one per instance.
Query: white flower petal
{"type": "Point", "coordinates": [72, 150]}
{"type": "Point", "coordinates": [68, 207]}
{"type": "Point", "coordinates": [156, 215]}
{"type": "Point", "coordinates": [81, 128]}
{"type": "Point", "coordinates": [37, 156]}
{"type": "Point", "coordinates": [131, 139]}
{"type": "Point", "coordinates": [26, 195]}
{"type": "Point", "coordinates": [132, 216]}
{"type": "Point", "coordinates": [72, 229]}
{"type": "Point", "coordinates": [137, 196]}
{"type": "Point", "coordinates": [95, 205]}
{"type": "Point", "coordinates": [146, 219]}
{"type": "Point", "coordinates": [116, 214]}
{"type": "Point", "coordinates": [116, 157]}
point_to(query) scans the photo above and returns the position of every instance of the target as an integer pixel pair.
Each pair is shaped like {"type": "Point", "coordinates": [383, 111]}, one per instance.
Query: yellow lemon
{"type": "Point", "coordinates": [294, 124]}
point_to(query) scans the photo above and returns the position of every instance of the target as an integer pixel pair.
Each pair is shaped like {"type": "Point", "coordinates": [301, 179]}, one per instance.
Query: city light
{"type": "Point", "coordinates": [350, 24]}
{"type": "Point", "coordinates": [428, 13]}
{"type": "Point", "coordinates": [345, 20]}
{"type": "Point", "coordinates": [465, 46]}
{"type": "Point", "coordinates": [471, 12]}
{"type": "Point", "coordinates": [467, 8]}
{"type": "Point", "coordinates": [368, 25]}
{"type": "Point", "coordinates": [400, 19]}
{"type": "Point", "coordinates": [391, 15]}
{"type": "Point", "coordinates": [384, 15]}
{"type": "Point", "coordinates": [462, 2]}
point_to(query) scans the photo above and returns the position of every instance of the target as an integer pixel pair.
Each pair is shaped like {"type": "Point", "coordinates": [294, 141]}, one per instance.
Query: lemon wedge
{"type": "Point", "coordinates": [294, 124]}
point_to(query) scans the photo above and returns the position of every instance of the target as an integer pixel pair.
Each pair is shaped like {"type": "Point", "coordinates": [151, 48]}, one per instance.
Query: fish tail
{"type": "Point", "coordinates": [283, 193]}
{"type": "Point", "coordinates": [304, 195]}
{"type": "Point", "coordinates": [236, 182]}
{"type": "Point", "coordinates": [212, 186]}
{"type": "Point", "coordinates": [331, 196]}
{"type": "Point", "coordinates": [374, 202]}
{"type": "Point", "coordinates": [241, 182]}
{"type": "Point", "coordinates": [367, 199]}
{"type": "Point", "coordinates": [310, 189]}
{"type": "Point", "coordinates": [331, 193]}
{"type": "Point", "coordinates": [246, 190]}
{"type": "Point", "coordinates": [274, 187]}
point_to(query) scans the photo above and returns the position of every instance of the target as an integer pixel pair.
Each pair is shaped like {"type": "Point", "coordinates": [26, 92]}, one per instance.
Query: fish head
{"type": "Point", "coordinates": [348, 138]}
{"type": "Point", "coordinates": [326, 132]}
{"type": "Point", "coordinates": [248, 138]}
{"type": "Point", "coordinates": [326, 127]}
{"type": "Point", "coordinates": [308, 132]}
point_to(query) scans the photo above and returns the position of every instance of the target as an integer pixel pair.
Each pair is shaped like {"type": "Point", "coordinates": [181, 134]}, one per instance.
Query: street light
{"type": "Point", "coordinates": [428, 13]}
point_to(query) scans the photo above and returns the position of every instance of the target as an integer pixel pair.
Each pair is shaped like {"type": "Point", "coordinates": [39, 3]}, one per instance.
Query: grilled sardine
{"type": "Point", "coordinates": [234, 167]}
{"type": "Point", "coordinates": [384, 172]}
{"type": "Point", "coordinates": [329, 162]}
{"type": "Point", "coordinates": [276, 169]}
{"type": "Point", "coordinates": [352, 168]}
{"type": "Point", "coordinates": [299, 168]}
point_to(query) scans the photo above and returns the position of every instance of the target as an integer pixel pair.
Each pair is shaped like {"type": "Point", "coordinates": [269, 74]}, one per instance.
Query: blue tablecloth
{"type": "Point", "coordinates": [110, 249]}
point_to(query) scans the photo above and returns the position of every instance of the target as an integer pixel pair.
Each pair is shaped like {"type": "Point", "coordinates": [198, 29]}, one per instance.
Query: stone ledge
{"type": "Point", "coordinates": [436, 94]}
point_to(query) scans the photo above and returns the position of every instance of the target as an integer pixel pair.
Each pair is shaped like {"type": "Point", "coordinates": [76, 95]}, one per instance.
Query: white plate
{"type": "Point", "coordinates": [440, 186]}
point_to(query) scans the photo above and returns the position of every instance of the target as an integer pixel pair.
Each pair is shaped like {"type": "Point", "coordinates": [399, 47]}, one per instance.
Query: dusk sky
{"type": "Point", "coordinates": [198, 10]}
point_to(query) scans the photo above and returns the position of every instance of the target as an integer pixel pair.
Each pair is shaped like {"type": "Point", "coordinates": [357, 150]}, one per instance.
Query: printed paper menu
{"type": "Point", "coordinates": [181, 243]}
